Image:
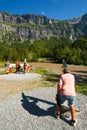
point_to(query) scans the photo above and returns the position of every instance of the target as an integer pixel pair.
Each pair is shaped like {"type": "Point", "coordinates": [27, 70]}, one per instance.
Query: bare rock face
{"type": "Point", "coordinates": [28, 26]}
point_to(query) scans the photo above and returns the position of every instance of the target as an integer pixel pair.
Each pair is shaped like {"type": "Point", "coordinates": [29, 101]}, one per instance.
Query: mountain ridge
{"type": "Point", "coordinates": [32, 27]}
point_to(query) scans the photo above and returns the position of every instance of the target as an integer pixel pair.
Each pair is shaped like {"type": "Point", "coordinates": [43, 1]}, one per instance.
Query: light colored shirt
{"type": "Point", "coordinates": [67, 81]}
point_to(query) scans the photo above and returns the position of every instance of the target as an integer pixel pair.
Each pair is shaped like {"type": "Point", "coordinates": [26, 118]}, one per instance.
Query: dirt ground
{"type": "Point", "coordinates": [57, 68]}
{"type": "Point", "coordinates": [11, 87]}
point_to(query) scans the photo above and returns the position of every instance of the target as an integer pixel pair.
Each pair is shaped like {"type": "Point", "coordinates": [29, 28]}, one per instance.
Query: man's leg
{"type": "Point", "coordinates": [58, 108]}
{"type": "Point", "coordinates": [73, 116]}
{"type": "Point", "coordinates": [57, 113]}
{"type": "Point", "coordinates": [72, 109]}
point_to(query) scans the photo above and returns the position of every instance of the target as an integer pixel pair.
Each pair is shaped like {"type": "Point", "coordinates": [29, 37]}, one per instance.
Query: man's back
{"type": "Point", "coordinates": [68, 83]}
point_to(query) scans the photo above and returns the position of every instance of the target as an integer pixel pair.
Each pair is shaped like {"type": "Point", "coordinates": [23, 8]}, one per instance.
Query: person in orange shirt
{"type": "Point", "coordinates": [66, 91]}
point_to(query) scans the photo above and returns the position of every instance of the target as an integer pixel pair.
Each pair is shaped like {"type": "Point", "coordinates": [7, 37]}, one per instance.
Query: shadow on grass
{"type": "Point", "coordinates": [80, 71]}
{"type": "Point", "coordinates": [80, 76]}
{"type": "Point", "coordinates": [52, 77]}
{"type": "Point", "coordinates": [80, 79]}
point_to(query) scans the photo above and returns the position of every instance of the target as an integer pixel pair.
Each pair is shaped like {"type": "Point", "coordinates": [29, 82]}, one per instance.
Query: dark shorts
{"type": "Point", "coordinates": [69, 99]}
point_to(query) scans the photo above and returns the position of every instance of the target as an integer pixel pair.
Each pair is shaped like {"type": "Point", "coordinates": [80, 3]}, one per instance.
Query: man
{"type": "Point", "coordinates": [64, 63]}
{"type": "Point", "coordinates": [66, 91]}
{"type": "Point", "coordinates": [17, 64]}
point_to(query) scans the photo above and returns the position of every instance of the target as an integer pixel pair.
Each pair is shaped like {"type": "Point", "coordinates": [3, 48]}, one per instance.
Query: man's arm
{"type": "Point", "coordinates": [58, 91]}
{"type": "Point", "coordinates": [59, 88]}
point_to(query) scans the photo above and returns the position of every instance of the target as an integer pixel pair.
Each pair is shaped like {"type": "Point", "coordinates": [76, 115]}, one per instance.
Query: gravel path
{"type": "Point", "coordinates": [34, 110]}
{"type": "Point", "coordinates": [19, 77]}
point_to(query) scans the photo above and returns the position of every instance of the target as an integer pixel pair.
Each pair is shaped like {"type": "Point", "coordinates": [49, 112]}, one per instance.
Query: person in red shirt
{"type": "Point", "coordinates": [17, 64]}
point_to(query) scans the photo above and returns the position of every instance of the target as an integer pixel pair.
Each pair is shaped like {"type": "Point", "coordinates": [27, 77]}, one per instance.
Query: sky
{"type": "Point", "coordinates": [55, 9]}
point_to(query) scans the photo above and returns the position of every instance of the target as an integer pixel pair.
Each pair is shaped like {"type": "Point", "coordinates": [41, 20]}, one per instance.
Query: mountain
{"type": "Point", "coordinates": [31, 27]}
{"type": "Point", "coordinates": [74, 20]}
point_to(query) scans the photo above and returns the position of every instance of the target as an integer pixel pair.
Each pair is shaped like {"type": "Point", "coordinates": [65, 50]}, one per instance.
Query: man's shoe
{"type": "Point", "coordinates": [74, 122]}
{"type": "Point", "coordinates": [57, 115]}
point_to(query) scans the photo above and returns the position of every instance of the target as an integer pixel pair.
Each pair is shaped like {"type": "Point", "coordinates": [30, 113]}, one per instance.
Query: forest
{"type": "Point", "coordinates": [49, 47]}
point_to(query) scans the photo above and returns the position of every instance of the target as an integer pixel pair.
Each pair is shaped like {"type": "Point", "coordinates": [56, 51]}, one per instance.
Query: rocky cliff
{"type": "Point", "coordinates": [28, 26]}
